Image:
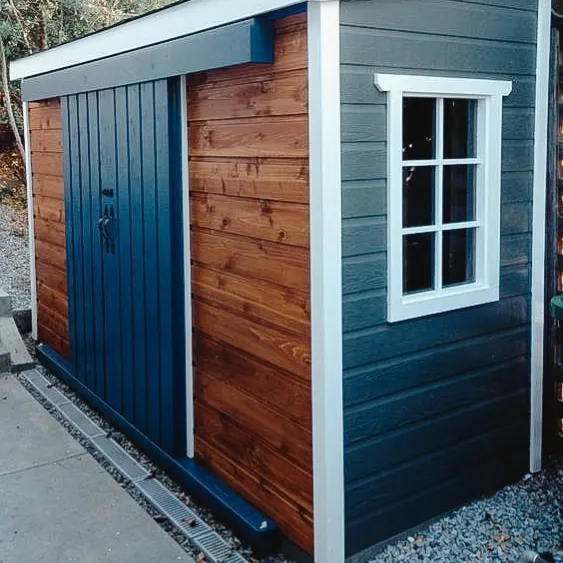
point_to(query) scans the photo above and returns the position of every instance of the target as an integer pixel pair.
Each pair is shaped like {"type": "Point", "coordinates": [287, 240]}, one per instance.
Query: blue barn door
{"type": "Point", "coordinates": [124, 253]}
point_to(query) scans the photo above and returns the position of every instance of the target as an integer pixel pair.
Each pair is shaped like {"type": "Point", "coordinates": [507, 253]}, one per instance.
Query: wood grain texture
{"type": "Point", "coordinates": [51, 254]}
{"type": "Point", "coordinates": [221, 430]}
{"type": "Point", "coordinates": [45, 117]}
{"type": "Point", "coordinates": [285, 137]}
{"type": "Point", "coordinates": [295, 522]}
{"type": "Point", "coordinates": [282, 306]}
{"type": "Point", "coordinates": [282, 392]}
{"type": "Point", "coordinates": [50, 164]}
{"type": "Point", "coordinates": [53, 299]}
{"type": "Point", "coordinates": [280, 433]}
{"type": "Point", "coordinates": [286, 223]}
{"type": "Point", "coordinates": [256, 259]}
{"type": "Point", "coordinates": [268, 95]}
{"type": "Point", "coordinates": [48, 185]}
{"type": "Point", "coordinates": [262, 178]}
{"type": "Point", "coordinates": [249, 204]}
{"type": "Point", "coordinates": [289, 352]}
{"type": "Point", "coordinates": [48, 209]}
{"type": "Point", "coordinates": [46, 140]}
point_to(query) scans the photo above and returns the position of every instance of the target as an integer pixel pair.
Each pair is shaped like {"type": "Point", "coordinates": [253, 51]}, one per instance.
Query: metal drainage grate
{"type": "Point", "coordinates": [176, 511]}
{"type": "Point", "coordinates": [190, 524]}
{"type": "Point", "coordinates": [80, 420]}
{"type": "Point", "coordinates": [47, 390]}
{"type": "Point", "coordinates": [120, 458]}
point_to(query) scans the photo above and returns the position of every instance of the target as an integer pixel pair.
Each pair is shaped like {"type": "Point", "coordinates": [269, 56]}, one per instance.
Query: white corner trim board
{"type": "Point", "coordinates": [30, 220]}
{"type": "Point", "coordinates": [326, 279]}
{"type": "Point", "coordinates": [187, 269]}
{"type": "Point", "coordinates": [538, 233]}
{"type": "Point", "coordinates": [179, 20]}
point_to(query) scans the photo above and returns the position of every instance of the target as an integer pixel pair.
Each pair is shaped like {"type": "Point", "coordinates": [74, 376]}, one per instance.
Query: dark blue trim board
{"type": "Point", "coordinates": [248, 41]}
{"type": "Point", "coordinates": [245, 520]}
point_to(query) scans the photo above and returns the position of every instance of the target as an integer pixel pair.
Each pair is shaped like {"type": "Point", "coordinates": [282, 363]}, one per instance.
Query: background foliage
{"type": "Point", "coordinates": [27, 26]}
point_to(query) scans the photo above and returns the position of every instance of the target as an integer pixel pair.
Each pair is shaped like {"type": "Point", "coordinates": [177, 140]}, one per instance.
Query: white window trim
{"type": "Point", "coordinates": [485, 289]}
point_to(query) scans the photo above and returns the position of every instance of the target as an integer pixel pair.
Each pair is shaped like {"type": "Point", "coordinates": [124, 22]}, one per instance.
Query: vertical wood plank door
{"type": "Point", "coordinates": [122, 236]}
{"type": "Point", "coordinates": [249, 206]}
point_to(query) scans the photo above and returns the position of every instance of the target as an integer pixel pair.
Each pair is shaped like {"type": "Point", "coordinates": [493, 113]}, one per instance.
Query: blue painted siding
{"type": "Point", "coordinates": [435, 409]}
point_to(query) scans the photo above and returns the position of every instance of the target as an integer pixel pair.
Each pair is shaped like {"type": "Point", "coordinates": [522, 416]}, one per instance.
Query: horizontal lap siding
{"type": "Point", "coordinates": [435, 408]}
{"type": "Point", "coordinates": [248, 147]}
{"type": "Point", "coordinates": [48, 212]}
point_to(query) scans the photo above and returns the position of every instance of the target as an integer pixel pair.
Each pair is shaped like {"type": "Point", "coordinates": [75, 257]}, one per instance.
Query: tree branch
{"type": "Point", "coordinates": [19, 18]}
{"type": "Point", "coordinates": [8, 99]}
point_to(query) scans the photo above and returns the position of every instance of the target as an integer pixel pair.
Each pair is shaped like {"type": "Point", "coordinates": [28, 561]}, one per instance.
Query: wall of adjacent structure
{"type": "Point", "coordinates": [436, 408]}
{"type": "Point", "coordinates": [249, 200]}
{"type": "Point", "coordinates": [48, 210]}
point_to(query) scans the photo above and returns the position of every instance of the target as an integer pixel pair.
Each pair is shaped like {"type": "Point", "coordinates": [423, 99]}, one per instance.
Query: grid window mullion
{"type": "Point", "coordinates": [439, 181]}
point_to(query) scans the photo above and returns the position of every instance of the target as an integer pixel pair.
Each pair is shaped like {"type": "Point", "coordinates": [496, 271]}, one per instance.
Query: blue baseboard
{"type": "Point", "coordinates": [250, 524]}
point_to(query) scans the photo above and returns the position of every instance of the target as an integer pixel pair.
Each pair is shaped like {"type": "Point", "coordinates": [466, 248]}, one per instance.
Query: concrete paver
{"type": "Point", "coordinates": [57, 504]}
{"type": "Point", "coordinates": [29, 435]}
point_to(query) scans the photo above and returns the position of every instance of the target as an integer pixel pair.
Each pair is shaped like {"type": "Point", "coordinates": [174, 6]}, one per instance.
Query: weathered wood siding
{"type": "Point", "coordinates": [248, 146]}
{"type": "Point", "coordinates": [436, 409]}
{"type": "Point", "coordinates": [48, 211]}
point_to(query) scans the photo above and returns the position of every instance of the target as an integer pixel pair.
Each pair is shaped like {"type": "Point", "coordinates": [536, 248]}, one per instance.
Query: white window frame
{"type": "Point", "coordinates": [485, 288]}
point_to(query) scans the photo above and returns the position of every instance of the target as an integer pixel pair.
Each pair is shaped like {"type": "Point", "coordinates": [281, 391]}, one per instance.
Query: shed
{"type": "Point", "coordinates": [295, 251]}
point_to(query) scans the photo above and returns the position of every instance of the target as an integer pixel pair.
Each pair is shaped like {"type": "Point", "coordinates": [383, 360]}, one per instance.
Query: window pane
{"type": "Point", "coordinates": [459, 128]}
{"type": "Point", "coordinates": [418, 195]}
{"type": "Point", "coordinates": [418, 262]}
{"type": "Point", "coordinates": [418, 128]}
{"type": "Point", "coordinates": [458, 260]}
{"type": "Point", "coordinates": [459, 193]}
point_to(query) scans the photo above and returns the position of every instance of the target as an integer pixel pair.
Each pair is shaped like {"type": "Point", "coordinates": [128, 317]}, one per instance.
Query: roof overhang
{"type": "Point", "coordinates": [243, 42]}
{"type": "Point", "coordinates": [170, 23]}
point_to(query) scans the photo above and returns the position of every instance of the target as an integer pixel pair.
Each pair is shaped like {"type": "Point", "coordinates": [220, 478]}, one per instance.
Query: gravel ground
{"type": "Point", "coordinates": [527, 515]}
{"type": "Point", "coordinates": [14, 258]}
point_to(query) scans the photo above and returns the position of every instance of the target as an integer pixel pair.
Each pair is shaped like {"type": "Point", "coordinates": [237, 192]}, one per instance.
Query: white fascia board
{"type": "Point", "coordinates": [538, 233]}
{"type": "Point", "coordinates": [442, 85]}
{"type": "Point", "coordinates": [183, 19]}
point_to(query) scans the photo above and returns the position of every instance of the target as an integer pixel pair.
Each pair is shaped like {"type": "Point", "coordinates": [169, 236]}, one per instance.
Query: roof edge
{"type": "Point", "coordinates": [162, 25]}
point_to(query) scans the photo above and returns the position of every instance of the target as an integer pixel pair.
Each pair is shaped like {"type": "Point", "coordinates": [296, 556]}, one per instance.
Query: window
{"type": "Point", "coordinates": [444, 145]}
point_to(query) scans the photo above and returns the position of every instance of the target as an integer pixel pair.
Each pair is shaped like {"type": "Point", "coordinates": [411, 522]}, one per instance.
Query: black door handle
{"type": "Point", "coordinates": [103, 223]}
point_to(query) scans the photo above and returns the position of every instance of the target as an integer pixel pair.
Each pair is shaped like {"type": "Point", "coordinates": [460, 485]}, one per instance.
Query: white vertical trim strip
{"type": "Point", "coordinates": [187, 269]}
{"type": "Point", "coordinates": [30, 220]}
{"type": "Point", "coordinates": [538, 232]}
{"type": "Point", "coordinates": [326, 279]}
{"type": "Point", "coordinates": [394, 202]}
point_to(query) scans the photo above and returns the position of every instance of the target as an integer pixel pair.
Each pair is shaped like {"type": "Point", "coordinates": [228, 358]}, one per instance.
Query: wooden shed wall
{"type": "Point", "coordinates": [248, 146]}
{"type": "Point", "coordinates": [48, 209]}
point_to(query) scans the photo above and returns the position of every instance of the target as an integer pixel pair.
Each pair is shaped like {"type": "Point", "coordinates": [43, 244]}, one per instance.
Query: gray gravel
{"type": "Point", "coordinates": [527, 515]}
{"type": "Point", "coordinates": [14, 260]}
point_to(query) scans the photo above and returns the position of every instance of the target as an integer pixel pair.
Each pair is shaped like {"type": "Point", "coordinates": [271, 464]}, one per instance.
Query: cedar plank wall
{"type": "Point", "coordinates": [48, 211]}
{"type": "Point", "coordinates": [248, 146]}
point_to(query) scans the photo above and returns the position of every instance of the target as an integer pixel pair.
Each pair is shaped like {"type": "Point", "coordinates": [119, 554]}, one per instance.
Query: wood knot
{"type": "Point", "coordinates": [265, 207]}
{"type": "Point", "coordinates": [226, 221]}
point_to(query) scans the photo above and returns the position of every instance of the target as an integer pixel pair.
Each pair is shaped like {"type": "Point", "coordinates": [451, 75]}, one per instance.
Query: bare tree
{"type": "Point", "coordinates": [8, 99]}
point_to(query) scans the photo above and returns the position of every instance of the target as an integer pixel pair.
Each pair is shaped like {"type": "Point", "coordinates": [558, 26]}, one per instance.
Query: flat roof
{"type": "Point", "coordinates": [170, 22]}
